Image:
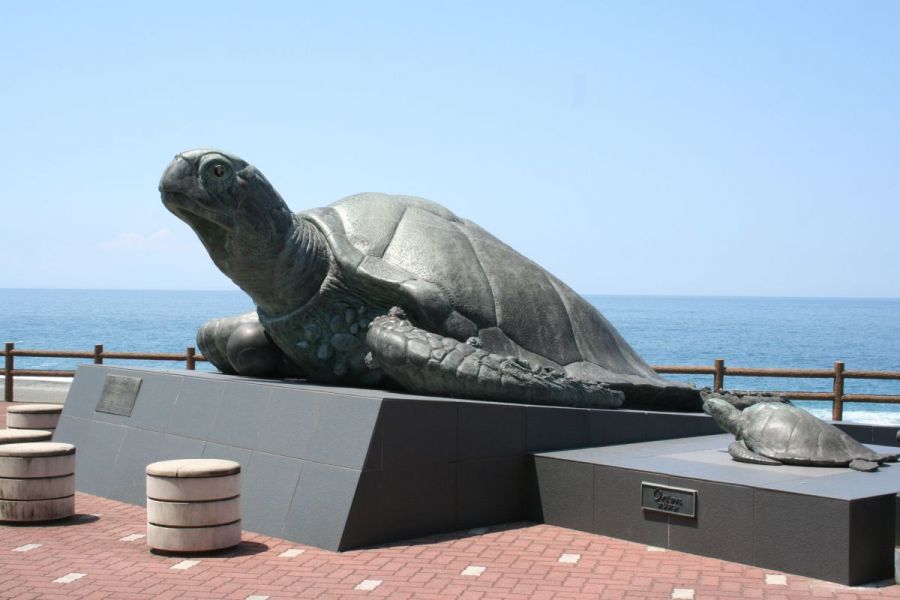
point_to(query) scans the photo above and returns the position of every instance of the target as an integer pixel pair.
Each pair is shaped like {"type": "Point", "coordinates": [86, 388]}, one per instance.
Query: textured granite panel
{"type": "Point", "coordinates": [267, 490]}
{"type": "Point", "coordinates": [617, 507]}
{"type": "Point", "coordinates": [288, 425]}
{"type": "Point", "coordinates": [140, 447]}
{"type": "Point", "coordinates": [241, 403]}
{"type": "Point", "coordinates": [795, 536]}
{"type": "Point", "coordinates": [321, 505]}
{"type": "Point", "coordinates": [418, 501]}
{"type": "Point", "coordinates": [491, 430]}
{"type": "Point", "coordinates": [490, 492]}
{"type": "Point", "coordinates": [344, 431]}
{"type": "Point", "coordinates": [551, 428]}
{"type": "Point", "coordinates": [196, 407]}
{"type": "Point", "coordinates": [563, 493]}
{"type": "Point", "coordinates": [872, 539]}
{"type": "Point", "coordinates": [724, 525]}
{"type": "Point", "coordinates": [154, 403]}
{"type": "Point", "coordinates": [416, 432]}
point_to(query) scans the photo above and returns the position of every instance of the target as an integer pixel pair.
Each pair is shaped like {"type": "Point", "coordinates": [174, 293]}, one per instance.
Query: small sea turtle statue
{"type": "Point", "coordinates": [772, 433]}
{"type": "Point", "coordinates": [379, 290]}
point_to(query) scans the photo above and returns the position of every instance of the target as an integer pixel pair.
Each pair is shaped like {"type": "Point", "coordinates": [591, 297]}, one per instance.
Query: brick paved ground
{"type": "Point", "coordinates": [102, 554]}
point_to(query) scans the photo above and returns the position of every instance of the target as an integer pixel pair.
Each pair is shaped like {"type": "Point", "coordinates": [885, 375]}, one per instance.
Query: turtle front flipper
{"type": "Point", "coordinates": [741, 453]}
{"type": "Point", "coordinates": [239, 345]}
{"type": "Point", "coordinates": [424, 362]}
{"type": "Point", "coordinates": [858, 464]}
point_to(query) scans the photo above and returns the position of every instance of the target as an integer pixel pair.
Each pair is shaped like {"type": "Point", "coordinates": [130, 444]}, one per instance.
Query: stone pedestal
{"type": "Point", "coordinates": [335, 467]}
{"type": "Point", "coordinates": [33, 416]}
{"type": "Point", "coordinates": [193, 505]}
{"type": "Point", "coordinates": [834, 524]}
{"type": "Point", "coordinates": [37, 481]}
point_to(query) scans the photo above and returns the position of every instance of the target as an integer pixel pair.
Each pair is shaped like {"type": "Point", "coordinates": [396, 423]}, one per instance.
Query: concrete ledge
{"type": "Point", "coordinates": [27, 416]}
{"type": "Point", "coordinates": [42, 488]}
{"type": "Point", "coordinates": [195, 539]}
{"type": "Point", "coordinates": [27, 511]}
{"type": "Point", "coordinates": [193, 514]}
{"type": "Point", "coordinates": [22, 436]}
{"type": "Point", "coordinates": [173, 489]}
{"type": "Point", "coordinates": [25, 467]}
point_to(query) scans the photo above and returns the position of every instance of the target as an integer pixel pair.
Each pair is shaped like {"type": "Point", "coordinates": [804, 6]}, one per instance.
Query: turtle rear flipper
{"type": "Point", "coordinates": [741, 453]}
{"type": "Point", "coordinates": [883, 458]}
{"type": "Point", "coordinates": [859, 464]}
{"type": "Point", "coordinates": [427, 363]}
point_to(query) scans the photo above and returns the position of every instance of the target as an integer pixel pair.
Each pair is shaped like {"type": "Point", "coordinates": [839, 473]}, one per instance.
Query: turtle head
{"type": "Point", "coordinates": [248, 230]}
{"type": "Point", "coordinates": [220, 196]}
{"type": "Point", "coordinates": [726, 415]}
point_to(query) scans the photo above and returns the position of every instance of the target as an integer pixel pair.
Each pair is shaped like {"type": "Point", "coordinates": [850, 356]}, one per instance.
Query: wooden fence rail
{"type": "Point", "coordinates": [718, 370]}
{"type": "Point", "coordinates": [190, 358]}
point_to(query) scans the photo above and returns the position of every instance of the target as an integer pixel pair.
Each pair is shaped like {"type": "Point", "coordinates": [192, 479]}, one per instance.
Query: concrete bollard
{"type": "Point", "coordinates": [37, 481]}
{"type": "Point", "coordinates": [33, 416]}
{"type": "Point", "coordinates": [193, 505]}
{"type": "Point", "coordinates": [21, 436]}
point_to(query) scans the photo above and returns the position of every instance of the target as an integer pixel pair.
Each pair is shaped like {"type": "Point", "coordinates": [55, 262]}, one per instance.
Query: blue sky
{"type": "Point", "coordinates": [710, 148]}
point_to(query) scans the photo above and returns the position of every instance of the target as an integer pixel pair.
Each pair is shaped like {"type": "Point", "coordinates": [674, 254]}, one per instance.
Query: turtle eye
{"type": "Point", "coordinates": [218, 170]}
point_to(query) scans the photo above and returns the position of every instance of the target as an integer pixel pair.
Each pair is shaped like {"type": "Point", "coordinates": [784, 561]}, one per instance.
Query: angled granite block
{"type": "Point", "coordinates": [268, 488]}
{"type": "Point", "coordinates": [563, 494]}
{"type": "Point", "coordinates": [321, 505]}
{"type": "Point", "coordinates": [344, 431]}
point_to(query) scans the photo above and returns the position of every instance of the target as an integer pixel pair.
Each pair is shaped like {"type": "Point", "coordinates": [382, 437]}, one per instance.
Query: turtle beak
{"type": "Point", "coordinates": [177, 178]}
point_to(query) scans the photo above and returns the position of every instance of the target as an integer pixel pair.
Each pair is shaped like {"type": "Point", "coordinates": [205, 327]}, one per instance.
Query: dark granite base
{"type": "Point", "coordinates": [828, 523]}
{"type": "Point", "coordinates": [339, 468]}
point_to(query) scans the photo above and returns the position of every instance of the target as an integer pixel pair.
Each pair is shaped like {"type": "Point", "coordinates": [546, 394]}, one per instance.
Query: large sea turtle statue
{"type": "Point", "coordinates": [379, 290]}
{"type": "Point", "coordinates": [771, 433]}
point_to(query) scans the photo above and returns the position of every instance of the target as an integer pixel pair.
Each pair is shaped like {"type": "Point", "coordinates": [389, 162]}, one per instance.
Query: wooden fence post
{"type": "Point", "coordinates": [8, 373]}
{"type": "Point", "coordinates": [98, 354]}
{"type": "Point", "coordinates": [719, 375]}
{"type": "Point", "coordinates": [189, 358]}
{"type": "Point", "coordinates": [837, 407]}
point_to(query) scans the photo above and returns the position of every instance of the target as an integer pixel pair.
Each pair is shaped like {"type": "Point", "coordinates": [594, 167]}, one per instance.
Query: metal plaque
{"type": "Point", "coordinates": [669, 500]}
{"type": "Point", "coordinates": [119, 394]}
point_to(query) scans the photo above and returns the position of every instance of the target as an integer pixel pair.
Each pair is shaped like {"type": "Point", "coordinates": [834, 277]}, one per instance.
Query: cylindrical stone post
{"type": "Point", "coordinates": [193, 505]}
{"type": "Point", "coordinates": [37, 481]}
{"type": "Point", "coordinates": [33, 416]}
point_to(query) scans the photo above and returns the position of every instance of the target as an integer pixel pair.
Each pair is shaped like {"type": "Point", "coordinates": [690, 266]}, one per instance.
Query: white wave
{"type": "Point", "coordinates": [863, 417]}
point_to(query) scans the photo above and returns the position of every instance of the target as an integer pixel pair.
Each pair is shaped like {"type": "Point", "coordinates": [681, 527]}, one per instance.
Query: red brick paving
{"type": "Point", "coordinates": [520, 560]}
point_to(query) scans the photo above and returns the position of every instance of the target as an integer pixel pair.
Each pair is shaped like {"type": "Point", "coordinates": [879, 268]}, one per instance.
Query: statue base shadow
{"type": "Point", "coordinates": [333, 467]}
{"type": "Point", "coordinates": [828, 523]}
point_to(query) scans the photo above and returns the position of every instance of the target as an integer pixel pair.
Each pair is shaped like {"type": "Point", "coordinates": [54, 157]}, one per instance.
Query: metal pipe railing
{"type": "Point", "coordinates": [718, 370]}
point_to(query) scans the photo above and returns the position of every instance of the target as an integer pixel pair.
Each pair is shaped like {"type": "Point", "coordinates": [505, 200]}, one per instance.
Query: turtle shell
{"type": "Point", "coordinates": [465, 282]}
{"type": "Point", "coordinates": [792, 435]}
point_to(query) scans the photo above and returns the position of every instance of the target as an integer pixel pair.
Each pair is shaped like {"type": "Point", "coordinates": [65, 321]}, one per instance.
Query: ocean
{"type": "Point", "coordinates": [665, 330]}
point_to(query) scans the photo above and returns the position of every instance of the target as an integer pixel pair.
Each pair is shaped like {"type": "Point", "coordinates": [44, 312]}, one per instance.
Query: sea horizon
{"type": "Point", "coordinates": [745, 331]}
{"type": "Point", "coordinates": [584, 294]}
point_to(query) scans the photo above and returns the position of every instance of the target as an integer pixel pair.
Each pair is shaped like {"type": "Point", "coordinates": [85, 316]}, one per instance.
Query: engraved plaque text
{"type": "Point", "coordinates": [668, 499]}
{"type": "Point", "coordinates": [119, 394]}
